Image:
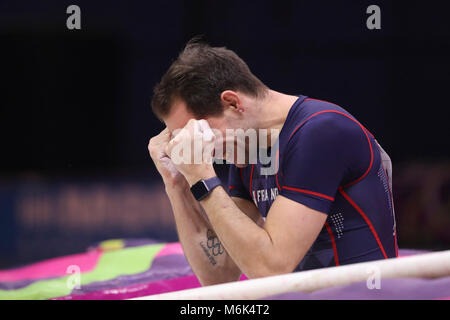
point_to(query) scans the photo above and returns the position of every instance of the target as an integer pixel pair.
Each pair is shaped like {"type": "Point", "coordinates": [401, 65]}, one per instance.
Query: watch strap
{"type": "Point", "coordinates": [204, 187]}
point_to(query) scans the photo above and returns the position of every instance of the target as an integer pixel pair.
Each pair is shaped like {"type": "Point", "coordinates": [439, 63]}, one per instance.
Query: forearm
{"type": "Point", "coordinates": [203, 250]}
{"type": "Point", "coordinates": [249, 245]}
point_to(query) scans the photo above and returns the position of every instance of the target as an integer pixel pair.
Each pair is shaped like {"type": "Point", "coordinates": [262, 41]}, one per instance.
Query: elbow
{"type": "Point", "coordinates": [217, 280]}
{"type": "Point", "coordinates": [268, 262]}
{"type": "Point", "coordinates": [212, 282]}
{"type": "Point", "coordinates": [262, 270]}
{"type": "Point", "coordinates": [224, 275]}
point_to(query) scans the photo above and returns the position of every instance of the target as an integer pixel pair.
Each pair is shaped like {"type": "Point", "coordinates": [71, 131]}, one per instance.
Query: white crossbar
{"type": "Point", "coordinates": [429, 265]}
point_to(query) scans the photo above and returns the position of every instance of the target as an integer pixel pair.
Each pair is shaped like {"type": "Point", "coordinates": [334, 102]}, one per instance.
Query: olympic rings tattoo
{"type": "Point", "coordinates": [213, 243]}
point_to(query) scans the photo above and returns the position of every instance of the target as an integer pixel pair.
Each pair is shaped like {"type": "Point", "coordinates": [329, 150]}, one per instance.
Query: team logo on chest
{"type": "Point", "coordinates": [266, 194]}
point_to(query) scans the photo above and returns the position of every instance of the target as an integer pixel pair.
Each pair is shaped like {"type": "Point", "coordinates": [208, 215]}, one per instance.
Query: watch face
{"type": "Point", "coordinates": [199, 190]}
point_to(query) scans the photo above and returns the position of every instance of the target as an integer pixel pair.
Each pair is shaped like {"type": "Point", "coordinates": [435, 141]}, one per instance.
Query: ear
{"type": "Point", "coordinates": [231, 100]}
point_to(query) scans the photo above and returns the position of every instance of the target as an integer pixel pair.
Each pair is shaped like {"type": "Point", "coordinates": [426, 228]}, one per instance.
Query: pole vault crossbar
{"type": "Point", "coordinates": [428, 265]}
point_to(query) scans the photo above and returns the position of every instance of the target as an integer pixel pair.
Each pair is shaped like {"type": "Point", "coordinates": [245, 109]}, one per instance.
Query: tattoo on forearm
{"type": "Point", "coordinates": [210, 257]}
{"type": "Point", "coordinates": [213, 246]}
{"type": "Point", "coordinates": [214, 243]}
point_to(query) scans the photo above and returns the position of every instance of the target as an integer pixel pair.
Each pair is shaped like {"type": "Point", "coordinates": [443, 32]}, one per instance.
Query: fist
{"type": "Point", "coordinates": [157, 149]}
{"type": "Point", "coordinates": [192, 151]}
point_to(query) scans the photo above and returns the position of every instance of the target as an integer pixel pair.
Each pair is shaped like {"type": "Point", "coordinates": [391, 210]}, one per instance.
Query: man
{"type": "Point", "coordinates": [328, 201]}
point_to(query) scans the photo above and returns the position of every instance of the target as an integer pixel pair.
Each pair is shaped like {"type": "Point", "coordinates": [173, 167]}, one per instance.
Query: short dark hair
{"type": "Point", "coordinates": [199, 75]}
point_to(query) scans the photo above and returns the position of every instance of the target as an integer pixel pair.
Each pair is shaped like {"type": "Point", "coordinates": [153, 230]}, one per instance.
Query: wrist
{"type": "Point", "coordinates": [176, 184]}
{"type": "Point", "coordinates": [206, 174]}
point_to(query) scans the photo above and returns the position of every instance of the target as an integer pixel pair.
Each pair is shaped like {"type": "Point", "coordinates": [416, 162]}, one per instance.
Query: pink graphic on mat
{"type": "Point", "coordinates": [56, 267]}
{"type": "Point", "coordinates": [170, 248]}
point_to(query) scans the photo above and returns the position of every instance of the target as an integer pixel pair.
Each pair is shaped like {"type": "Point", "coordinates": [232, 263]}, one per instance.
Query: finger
{"type": "Point", "coordinates": [178, 134]}
{"type": "Point", "coordinates": [208, 134]}
{"type": "Point", "coordinates": [197, 127]}
{"type": "Point", "coordinates": [169, 146]}
{"type": "Point", "coordinates": [191, 124]}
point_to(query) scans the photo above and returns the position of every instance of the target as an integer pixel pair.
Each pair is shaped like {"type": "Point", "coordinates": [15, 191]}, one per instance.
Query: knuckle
{"type": "Point", "coordinates": [191, 123]}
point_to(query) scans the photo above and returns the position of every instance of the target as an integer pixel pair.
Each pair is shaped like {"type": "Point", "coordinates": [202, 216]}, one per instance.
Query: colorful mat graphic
{"type": "Point", "coordinates": [115, 269]}
{"type": "Point", "coordinates": [124, 269]}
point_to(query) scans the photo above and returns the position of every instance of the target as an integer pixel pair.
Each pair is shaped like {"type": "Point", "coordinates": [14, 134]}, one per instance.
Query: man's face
{"type": "Point", "coordinates": [179, 117]}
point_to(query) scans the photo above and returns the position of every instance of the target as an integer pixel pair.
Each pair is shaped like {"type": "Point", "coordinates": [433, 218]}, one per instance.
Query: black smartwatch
{"type": "Point", "coordinates": [204, 187]}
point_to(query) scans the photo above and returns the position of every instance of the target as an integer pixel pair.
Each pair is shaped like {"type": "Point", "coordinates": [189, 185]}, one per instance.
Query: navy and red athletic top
{"type": "Point", "coordinates": [329, 162]}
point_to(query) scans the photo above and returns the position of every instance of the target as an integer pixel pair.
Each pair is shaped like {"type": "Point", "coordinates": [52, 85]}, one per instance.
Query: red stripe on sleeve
{"type": "Point", "coordinates": [309, 192]}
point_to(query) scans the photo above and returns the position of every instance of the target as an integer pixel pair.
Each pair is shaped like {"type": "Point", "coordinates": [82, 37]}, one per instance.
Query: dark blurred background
{"type": "Point", "coordinates": [75, 116]}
